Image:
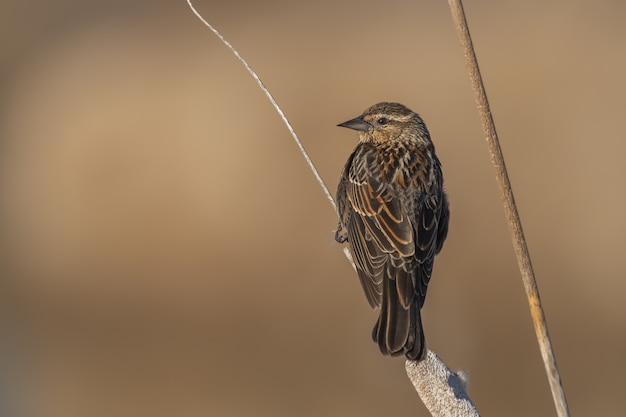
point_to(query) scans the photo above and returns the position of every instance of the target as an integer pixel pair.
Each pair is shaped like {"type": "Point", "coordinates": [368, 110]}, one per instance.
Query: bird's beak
{"type": "Point", "coordinates": [357, 124]}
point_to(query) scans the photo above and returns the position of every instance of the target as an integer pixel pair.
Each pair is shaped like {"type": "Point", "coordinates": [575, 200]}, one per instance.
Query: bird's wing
{"type": "Point", "coordinates": [391, 238]}
{"type": "Point", "coordinates": [379, 229]}
{"type": "Point", "coordinates": [431, 228]}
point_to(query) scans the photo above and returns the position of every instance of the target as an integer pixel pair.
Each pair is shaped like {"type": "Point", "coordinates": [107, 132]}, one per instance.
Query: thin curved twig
{"type": "Point", "coordinates": [510, 208]}
{"type": "Point", "coordinates": [274, 103]}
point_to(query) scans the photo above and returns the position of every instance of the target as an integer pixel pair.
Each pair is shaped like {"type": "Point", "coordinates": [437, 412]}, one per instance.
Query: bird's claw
{"type": "Point", "coordinates": [339, 238]}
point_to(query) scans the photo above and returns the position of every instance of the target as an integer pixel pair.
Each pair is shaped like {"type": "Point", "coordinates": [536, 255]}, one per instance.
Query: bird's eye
{"type": "Point", "coordinates": [382, 121]}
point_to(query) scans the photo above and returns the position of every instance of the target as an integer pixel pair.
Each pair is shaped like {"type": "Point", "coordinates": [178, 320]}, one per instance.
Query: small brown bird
{"type": "Point", "coordinates": [394, 211]}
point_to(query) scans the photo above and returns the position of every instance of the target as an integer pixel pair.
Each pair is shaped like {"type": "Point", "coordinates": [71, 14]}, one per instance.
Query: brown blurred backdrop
{"type": "Point", "coordinates": [166, 252]}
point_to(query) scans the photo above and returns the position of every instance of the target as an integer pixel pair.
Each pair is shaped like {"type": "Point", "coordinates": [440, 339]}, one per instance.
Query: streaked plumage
{"type": "Point", "coordinates": [394, 212]}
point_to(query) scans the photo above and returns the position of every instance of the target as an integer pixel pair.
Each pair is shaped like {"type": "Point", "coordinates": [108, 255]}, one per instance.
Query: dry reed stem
{"type": "Point", "coordinates": [510, 208]}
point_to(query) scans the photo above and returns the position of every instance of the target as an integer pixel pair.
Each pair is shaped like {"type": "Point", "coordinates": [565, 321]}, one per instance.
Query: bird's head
{"type": "Point", "coordinates": [384, 122]}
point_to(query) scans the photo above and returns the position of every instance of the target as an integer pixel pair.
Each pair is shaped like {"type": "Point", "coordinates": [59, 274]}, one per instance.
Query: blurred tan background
{"type": "Point", "coordinates": [166, 252]}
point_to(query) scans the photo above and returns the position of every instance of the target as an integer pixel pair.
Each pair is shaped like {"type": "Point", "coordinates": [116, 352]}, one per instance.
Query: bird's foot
{"type": "Point", "coordinates": [339, 238]}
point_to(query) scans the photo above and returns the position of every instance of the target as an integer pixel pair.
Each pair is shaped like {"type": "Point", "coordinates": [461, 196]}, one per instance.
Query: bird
{"type": "Point", "coordinates": [393, 214]}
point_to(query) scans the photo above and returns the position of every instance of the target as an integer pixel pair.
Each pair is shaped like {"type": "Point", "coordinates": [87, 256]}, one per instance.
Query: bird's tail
{"type": "Point", "coordinates": [398, 330]}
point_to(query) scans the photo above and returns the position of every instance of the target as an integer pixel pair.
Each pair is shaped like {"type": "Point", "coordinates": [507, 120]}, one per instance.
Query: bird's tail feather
{"type": "Point", "coordinates": [399, 330]}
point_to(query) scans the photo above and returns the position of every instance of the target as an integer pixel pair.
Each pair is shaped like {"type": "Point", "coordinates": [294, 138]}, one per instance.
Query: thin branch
{"type": "Point", "coordinates": [273, 101]}
{"type": "Point", "coordinates": [513, 219]}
